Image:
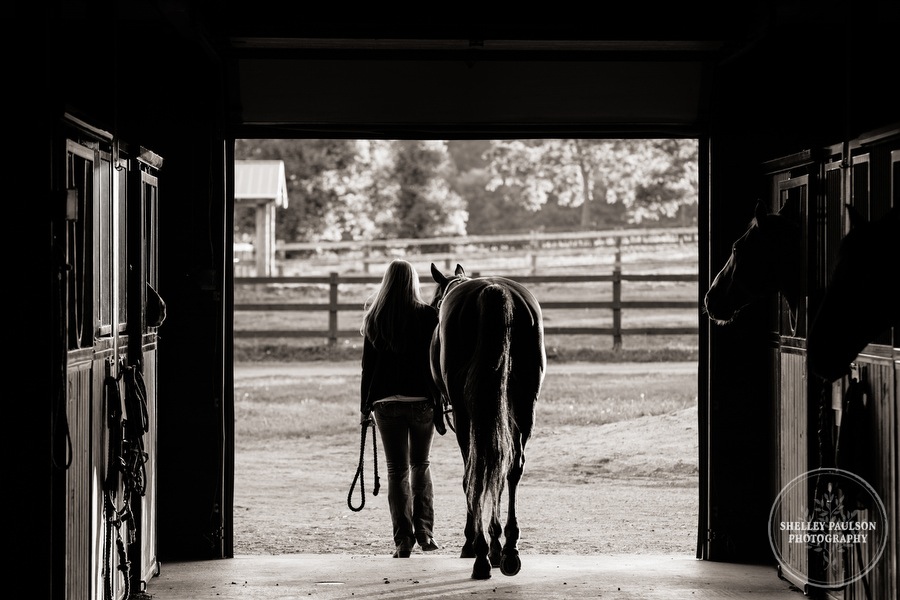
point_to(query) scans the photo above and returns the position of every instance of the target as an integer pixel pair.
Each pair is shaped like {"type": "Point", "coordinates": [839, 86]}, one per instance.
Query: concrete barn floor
{"type": "Point", "coordinates": [422, 577]}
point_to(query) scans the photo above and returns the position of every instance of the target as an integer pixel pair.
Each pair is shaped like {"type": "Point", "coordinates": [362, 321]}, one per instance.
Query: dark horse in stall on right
{"type": "Point", "coordinates": [859, 304]}
{"type": "Point", "coordinates": [861, 300]}
{"type": "Point", "coordinates": [764, 260]}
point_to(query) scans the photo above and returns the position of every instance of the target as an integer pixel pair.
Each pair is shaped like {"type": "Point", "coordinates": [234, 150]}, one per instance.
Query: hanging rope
{"type": "Point", "coordinates": [135, 426]}
{"type": "Point", "coordinates": [61, 457]}
{"type": "Point", "coordinates": [114, 469]}
{"type": "Point", "coordinates": [126, 467]}
{"type": "Point", "coordinates": [369, 422]}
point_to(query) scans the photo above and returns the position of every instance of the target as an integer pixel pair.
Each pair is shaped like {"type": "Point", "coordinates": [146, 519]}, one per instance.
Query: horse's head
{"type": "Point", "coordinates": [764, 260]}
{"type": "Point", "coordinates": [445, 283]}
{"type": "Point", "coordinates": [860, 301]}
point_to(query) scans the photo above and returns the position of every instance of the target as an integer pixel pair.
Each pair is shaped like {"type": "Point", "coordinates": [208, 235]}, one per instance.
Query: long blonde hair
{"type": "Point", "coordinates": [389, 310]}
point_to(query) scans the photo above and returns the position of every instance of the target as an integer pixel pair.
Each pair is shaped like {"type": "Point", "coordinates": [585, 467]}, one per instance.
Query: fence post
{"type": "Point", "coordinates": [534, 247]}
{"type": "Point", "coordinates": [617, 306]}
{"type": "Point", "coordinates": [332, 308]}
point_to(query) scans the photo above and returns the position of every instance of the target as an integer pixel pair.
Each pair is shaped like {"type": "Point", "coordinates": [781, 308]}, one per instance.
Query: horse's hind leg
{"type": "Point", "coordinates": [510, 563]}
{"type": "Point", "coordinates": [462, 438]}
{"type": "Point", "coordinates": [476, 547]}
{"type": "Point", "coordinates": [468, 548]}
{"type": "Point", "coordinates": [524, 391]}
{"type": "Point", "coordinates": [496, 549]}
{"type": "Point", "coordinates": [482, 567]}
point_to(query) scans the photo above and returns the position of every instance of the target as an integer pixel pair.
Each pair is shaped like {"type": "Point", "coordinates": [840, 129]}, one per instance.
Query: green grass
{"type": "Point", "coordinates": [289, 407]}
{"type": "Point", "coordinates": [578, 399]}
{"type": "Point", "coordinates": [293, 404]}
{"type": "Point", "coordinates": [559, 348]}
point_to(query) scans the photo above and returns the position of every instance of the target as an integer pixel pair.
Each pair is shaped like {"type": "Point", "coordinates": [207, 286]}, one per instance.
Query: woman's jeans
{"type": "Point", "coordinates": [407, 430]}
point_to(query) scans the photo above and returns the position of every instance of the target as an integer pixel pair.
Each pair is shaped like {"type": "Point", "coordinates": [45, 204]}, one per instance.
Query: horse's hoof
{"type": "Point", "coordinates": [482, 569]}
{"type": "Point", "coordinates": [495, 553]}
{"type": "Point", "coordinates": [467, 552]}
{"type": "Point", "coordinates": [510, 564]}
{"type": "Point", "coordinates": [495, 558]}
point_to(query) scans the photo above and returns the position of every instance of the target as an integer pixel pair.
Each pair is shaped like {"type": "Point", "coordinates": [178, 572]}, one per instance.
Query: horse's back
{"type": "Point", "coordinates": [527, 309]}
{"type": "Point", "coordinates": [459, 322]}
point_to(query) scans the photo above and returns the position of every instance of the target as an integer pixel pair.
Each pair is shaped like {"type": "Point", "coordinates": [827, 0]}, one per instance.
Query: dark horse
{"type": "Point", "coordinates": [764, 260]}
{"type": "Point", "coordinates": [488, 361]}
{"type": "Point", "coordinates": [860, 301]}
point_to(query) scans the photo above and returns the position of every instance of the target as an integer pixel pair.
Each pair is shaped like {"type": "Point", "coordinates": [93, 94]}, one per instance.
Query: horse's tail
{"type": "Point", "coordinates": [490, 431]}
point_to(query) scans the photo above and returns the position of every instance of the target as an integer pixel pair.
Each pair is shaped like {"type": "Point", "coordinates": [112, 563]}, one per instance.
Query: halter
{"type": "Point", "coordinates": [455, 280]}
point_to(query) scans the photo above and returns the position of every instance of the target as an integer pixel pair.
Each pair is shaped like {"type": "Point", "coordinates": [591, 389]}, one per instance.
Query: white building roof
{"type": "Point", "coordinates": [256, 180]}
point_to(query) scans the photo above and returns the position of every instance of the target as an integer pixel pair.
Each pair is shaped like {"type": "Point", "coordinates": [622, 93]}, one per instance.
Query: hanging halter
{"type": "Point", "coordinates": [126, 467]}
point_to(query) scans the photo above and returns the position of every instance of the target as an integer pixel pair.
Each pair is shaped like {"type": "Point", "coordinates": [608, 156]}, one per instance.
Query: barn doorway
{"type": "Point", "coordinates": [615, 450]}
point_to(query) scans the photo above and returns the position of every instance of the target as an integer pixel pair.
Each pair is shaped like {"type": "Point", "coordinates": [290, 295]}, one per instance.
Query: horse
{"type": "Point", "coordinates": [860, 300]}
{"type": "Point", "coordinates": [488, 362]}
{"type": "Point", "coordinates": [765, 260]}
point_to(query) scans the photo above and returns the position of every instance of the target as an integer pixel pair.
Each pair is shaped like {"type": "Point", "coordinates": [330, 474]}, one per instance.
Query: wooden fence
{"type": "Point", "coordinates": [529, 249]}
{"type": "Point", "coordinates": [615, 304]}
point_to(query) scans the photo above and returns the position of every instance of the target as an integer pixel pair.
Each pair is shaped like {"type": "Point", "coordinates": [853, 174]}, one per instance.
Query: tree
{"type": "Point", "coordinates": [651, 178]}
{"type": "Point", "coordinates": [371, 189]}
{"type": "Point", "coordinates": [305, 161]}
{"type": "Point", "coordinates": [672, 191]}
{"type": "Point", "coordinates": [425, 205]}
{"type": "Point", "coordinates": [361, 189]}
{"type": "Point", "coordinates": [392, 189]}
{"type": "Point", "coordinates": [361, 192]}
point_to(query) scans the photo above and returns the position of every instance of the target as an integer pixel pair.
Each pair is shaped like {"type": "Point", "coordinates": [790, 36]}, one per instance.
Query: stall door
{"type": "Point", "coordinates": [104, 465]}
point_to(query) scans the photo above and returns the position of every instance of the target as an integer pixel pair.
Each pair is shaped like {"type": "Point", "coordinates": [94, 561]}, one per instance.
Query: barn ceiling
{"type": "Point", "coordinates": [623, 70]}
{"type": "Point", "coordinates": [634, 69]}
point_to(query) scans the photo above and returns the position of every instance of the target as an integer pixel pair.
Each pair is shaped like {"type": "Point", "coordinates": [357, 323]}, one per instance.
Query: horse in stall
{"type": "Point", "coordinates": [858, 304]}
{"type": "Point", "coordinates": [764, 260]}
{"type": "Point", "coordinates": [488, 361]}
{"type": "Point", "coordinates": [860, 301]}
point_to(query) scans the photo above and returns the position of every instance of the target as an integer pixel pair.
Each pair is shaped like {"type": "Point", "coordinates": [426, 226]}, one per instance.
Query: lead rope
{"type": "Point", "coordinates": [359, 470]}
{"type": "Point", "coordinates": [126, 467]}
{"type": "Point", "coordinates": [115, 518]}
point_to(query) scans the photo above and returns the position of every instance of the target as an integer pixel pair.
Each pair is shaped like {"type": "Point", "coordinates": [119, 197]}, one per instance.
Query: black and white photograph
{"type": "Point", "coordinates": [594, 302]}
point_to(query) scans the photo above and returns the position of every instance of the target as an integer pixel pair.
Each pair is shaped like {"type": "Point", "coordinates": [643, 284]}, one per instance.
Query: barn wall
{"type": "Point", "coordinates": [820, 181]}
{"type": "Point", "coordinates": [194, 261]}
{"type": "Point", "coordinates": [141, 86]}
{"type": "Point", "coordinates": [816, 82]}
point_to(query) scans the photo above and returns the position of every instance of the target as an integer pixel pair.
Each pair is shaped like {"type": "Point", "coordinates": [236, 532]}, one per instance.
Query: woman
{"type": "Point", "coordinates": [397, 386]}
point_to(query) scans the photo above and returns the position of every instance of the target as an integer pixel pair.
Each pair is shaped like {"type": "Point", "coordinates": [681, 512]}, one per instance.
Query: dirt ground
{"type": "Point", "coordinates": [623, 488]}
